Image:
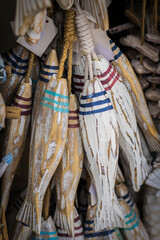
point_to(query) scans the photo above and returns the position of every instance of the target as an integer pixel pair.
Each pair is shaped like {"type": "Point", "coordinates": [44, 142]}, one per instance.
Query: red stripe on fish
{"type": "Point", "coordinates": [21, 105]}
{"type": "Point", "coordinates": [24, 99]}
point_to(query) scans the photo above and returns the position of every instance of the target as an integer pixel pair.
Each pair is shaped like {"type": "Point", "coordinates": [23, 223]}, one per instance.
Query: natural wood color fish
{"type": "Point", "coordinates": [48, 72]}
{"type": "Point", "coordinates": [18, 59]}
{"type": "Point", "coordinates": [144, 119]}
{"type": "Point", "coordinates": [69, 171]}
{"type": "Point", "coordinates": [49, 132]}
{"type": "Point", "coordinates": [65, 4]}
{"type": "Point", "coordinates": [15, 137]}
{"type": "Point", "coordinates": [2, 112]}
{"type": "Point", "coordinates": [100, 137]}
{"type": "Point", "coordinates": [21, 232]}
{"type": "Point", "coordinates": [134, 227]}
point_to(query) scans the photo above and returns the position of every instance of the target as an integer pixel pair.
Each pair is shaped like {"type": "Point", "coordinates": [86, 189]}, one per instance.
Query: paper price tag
{"type": "Point", "coordinates": [48, 33]}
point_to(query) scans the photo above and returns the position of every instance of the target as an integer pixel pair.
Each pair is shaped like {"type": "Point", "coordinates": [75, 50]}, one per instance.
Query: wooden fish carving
{"type": "Point", "coordinates": [49, 71]}
{"type": "Point", "coordinates": [100, 137]}
{"type": "Point", "coordinates": [129, 135]}
{"type": "Point", "coordinates": [69, 171]}
{"type": "Point", "coordinates": [143, 116]}
{"type": "Point", "coordinates": [15, 137]}
{"type": "Point", "coordinates": [21, 232]}
{"type": "Point", "coordinates": [2, 112]}
{"type": "Point", "coordinates": [18, 59]}
{"type": "Point", "coordinates": [49, 132]}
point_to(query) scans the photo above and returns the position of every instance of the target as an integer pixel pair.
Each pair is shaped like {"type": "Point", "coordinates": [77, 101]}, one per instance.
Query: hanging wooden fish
{"type": "Point", "coordinates": [18, 59]}
{"type": "Point", "coordinates": [21, 232]}
{"type": "Point", "coordinates": [33, 34]}
{"type": "Point", "coordinates": [134, 227]}
{"type": "Point", "coordinates": [144, 119]}
{"type": "Point", "coordinates": [119, 178]}
{"type": "Point", "coordinates": [100, 139]}
{"type": "Point", "coordinates": [78, 230]}
{"type": "Point", "coordinates": [48, 72]}
{"type": "Point", "coordinates": [25, 13]}
{"type": "Point", "coordinates": [49, 132]}
{"type": "Point", "coordinates": [129, 136]}
{"type": "Point", "coordinates": [48, 230]}
{"type": "Point", "coordinates": [15, 137]}
{"type": "Point", "coordinates": [91, 233]}
{"type": "Point", "coordinates": [2, 112]}
{"type": "Point", "coordinates": [65, 4]}
{"type": "Point", "coordinates": [69, 171]}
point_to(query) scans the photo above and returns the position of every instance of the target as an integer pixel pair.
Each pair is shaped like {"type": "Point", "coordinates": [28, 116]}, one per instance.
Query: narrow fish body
{"type": "Point", "coordinates": [78, 230]}
{"type": "Point", "coordinates": [2, 112]}
{"type": "Point", "coordinates": [134, 228]}
{"type": "Point", "coordinates": [21, 232]}
{"type": "Point", "coordinates": [143, 116]}
{"type": "Point", "coordinates": [15, 137]}
{"type": "Point", "coordinates": [100, 137]}
{"type": "Point", "coordinates": [48, 230]}
{"type": "Point", "coordinates": [18, 59]}
{"type": "Point", "coordinates": [49, 132]}
{"type": "Point", "coordinates": [49, 71]}
{"type": "Point", "coordinates": [69, 171]}
{"type": "Point", "coordinates": [89, 228]}
{"type": "Point", "coordinates": [129, 135]}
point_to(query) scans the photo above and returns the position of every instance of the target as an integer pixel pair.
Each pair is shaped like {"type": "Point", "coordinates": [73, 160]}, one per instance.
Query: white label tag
{"type": "Point", "coordinates": [93, 193]}
{"type": "Point", "coordinates": [48, 33]}
{"type": "Point", "coordinates": [101, 43]}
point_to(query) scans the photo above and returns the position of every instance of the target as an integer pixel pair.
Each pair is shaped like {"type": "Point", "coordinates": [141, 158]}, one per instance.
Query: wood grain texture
{"type": "Point", "coordinates": [100, 137]}
{"type": "Point", "coordinates": [65, 4]}
{"type": "Point", "coordinates": [21, 232]}
{"type": "Point", "coordinates": [15, 137]}
{"type": "Point", "coordinates": [49, 132]}
{"type": "Point", "coordinates": [48, 72]}
{"type": "Point", "coordinates": [143, 116]}
{"type": "Point", "coordinates": [17, 58]}
{"type": "Point", "coordinates": [134, 227]}
{"type": "Point", "coordinates": [2, 112]}
{"type": "Point", "coordinates": [69, 171]}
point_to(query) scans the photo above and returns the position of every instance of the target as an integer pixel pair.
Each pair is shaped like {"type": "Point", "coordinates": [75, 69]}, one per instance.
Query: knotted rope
{"type": "Point", "coordinates": [31, 59]}
{"type": "Point", "coordinates": [86, 41]}
{"type": "Point", "coordinates": [69, 38]}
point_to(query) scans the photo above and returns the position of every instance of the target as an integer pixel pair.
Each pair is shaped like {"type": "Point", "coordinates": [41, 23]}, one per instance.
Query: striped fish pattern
{"type": "Point", "coordinates": [134, 228]}
{"type": "Point", "coordinates": [21, 232]}
{"type": "Point", "coordinates": [49, 71]}
{"type": "Point", "coordinates": [89, 228]}
{"type": "Point", "coordinates": [48, 231]}
{"type": "Point", "coordinates": [129, 135]}
{"type": "Point", "coordinates": [15, 137]}
{"type": "Point", "coordinates": [18, 59]}
{"type": "Point", "coordinates": [78, 230]}
{"type": "Point", "coordinates": [131, 82]}
{"type": "Point", "coordinates": [49, 132]}
{"type": "Point", "coordinates": [69, 171]}
{"type": "Point", "coordinates": [100, 137]}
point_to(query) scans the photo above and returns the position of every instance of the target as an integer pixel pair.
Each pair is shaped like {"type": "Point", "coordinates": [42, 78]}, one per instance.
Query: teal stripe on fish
{"type": "Point", "coordinates": [55, 94]}
{"type": "Point", "coordinates": [134, 226]}
{"type": "Point", "coordinates": [132, 219]}
{"type": "Point", "coordinates": [48, 233]}
{"type": "Point", "coordinates": [56, 102]}
{"type": "Point", "coordinates": [130, 214]}
{"type": "Point", "coordinates": [51, 238]}
{"type": "Point", "coordinates": [8, 158]}
{"type": "Point", "coordinates": [64, 110]}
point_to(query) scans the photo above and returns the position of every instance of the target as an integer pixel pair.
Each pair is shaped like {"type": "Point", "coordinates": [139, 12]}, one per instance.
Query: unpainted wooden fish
{"type": "Point", "coordinates": [21, 232]}
{"type": "Point", "coordinates": [48, 72]}
{"type": "Point", "coordinates": [69, 171]}
{"type": "Point", "coordinates": [15, 137]}
{"type": "Point", "coordinates": [18, 59]}
{"type": "Point", "coordinates": [121, 101]}
{"type": "Point", "coordinates": [143, 116]}
{"type": "Point", "coordinates": [2, 112]}
{"type": "Point", "coordinates": [100, 137]}
{"type": "Point", "coordinates": [49, 132]}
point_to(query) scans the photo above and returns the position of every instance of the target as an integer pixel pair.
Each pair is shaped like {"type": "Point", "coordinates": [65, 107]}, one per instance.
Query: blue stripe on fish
{"type": "Point", "coordinates": [18, 58]}
{"type": "Point", "coordinates": [117, 55]}
{"type": "Point", "coordinates": [131, 205]}
{"type": "Point", "coordinates": [47, 73]}
{"type": "Point", "coordinates": [93, 95]}
{"type": "Point", "coordinates": [110, 41]}
{"type": "Point", "coordinates": [130, 214]}
{"type": "Point", "coordinates": [56, 102]}
{"type": "Point", "coordinates": [55, 94]}
{"type": "Point", "coordinates": [14, 64]}
{"type": "Point", "coordinates": [8, 158]}
{"type": "Point", "coordinates": [91, 104]}
{"type": "Point", "coordinates": [96, 111]}
{"type": "Point", "coordinates": [128, 202]}
{"type": "Point", "coordinates": [89, 222]}
{"type": "Point", "coordinates": [114, 47]}
{"type": "Point", "coordinates": [132, 219]}
{"type": "Point", "coordinates": [88, 229]}
{"type": "Point", "coordinates": [64, 110]}
{"type": "Point", "coordinates": [18, 73]}
{"type": "Point", "coordinates": [48, 233]}
{"type": "Point", "coordinates": [99, 234]}
{"type": "Point", "coordinates": [43, 79]}
{"type": "Point", "coordinates": [134, 226]}
{"type": "Point", "coordinates": [50, 67]}
{"type": "Point", "coordinates": [125, 196]}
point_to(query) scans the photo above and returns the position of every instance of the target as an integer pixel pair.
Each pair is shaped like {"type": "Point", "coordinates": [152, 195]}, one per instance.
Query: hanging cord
{"type": "Point", "coordinates": [46, 202]}
{"type": "Point", "coordinates": [69, 38]}
{"type": "Point", "coordinates": [31, 59]}
{"type": "Point", "coordinates": [86, 41]}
